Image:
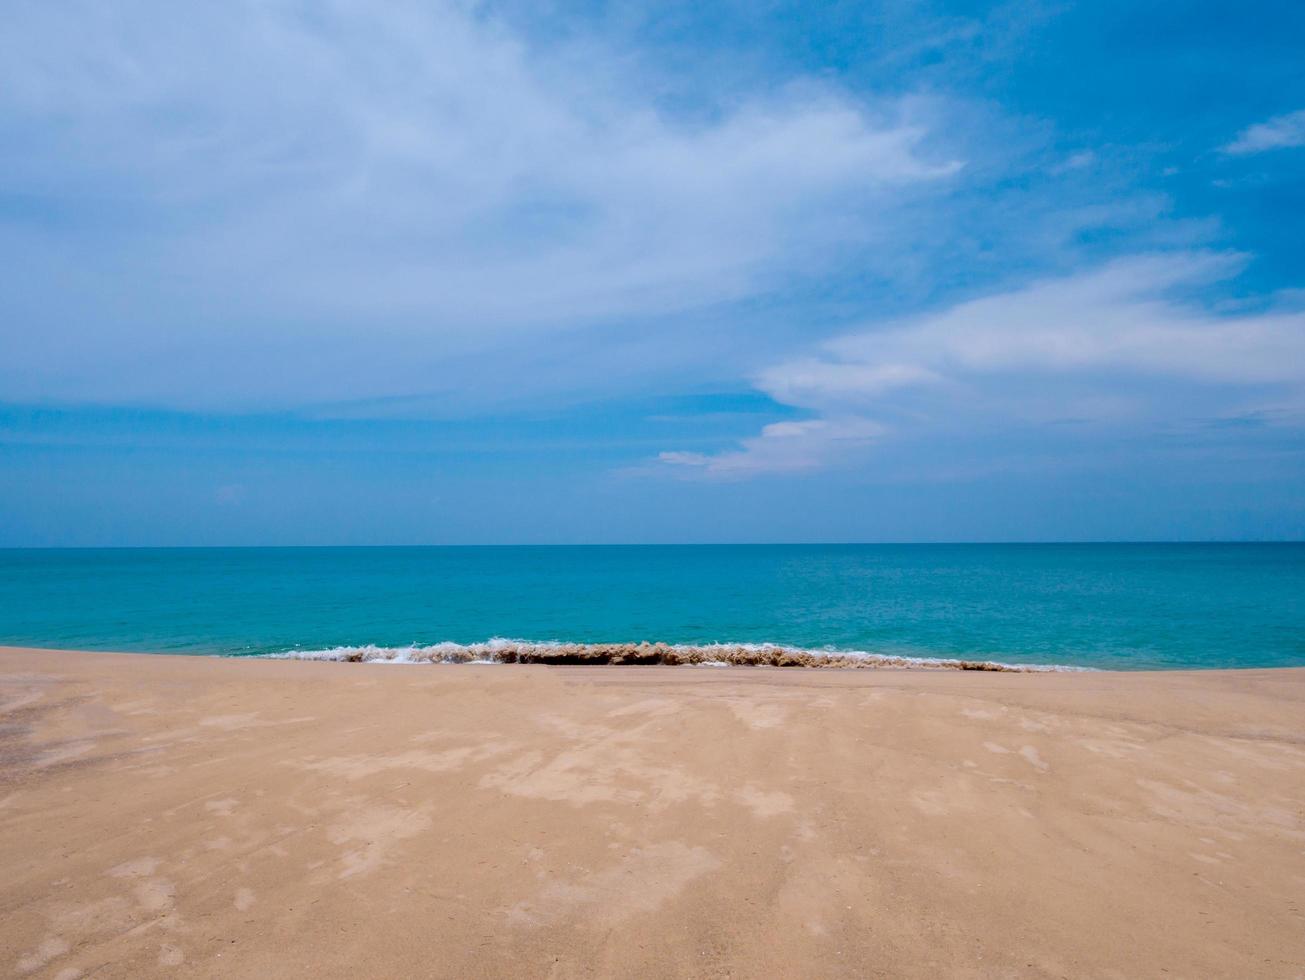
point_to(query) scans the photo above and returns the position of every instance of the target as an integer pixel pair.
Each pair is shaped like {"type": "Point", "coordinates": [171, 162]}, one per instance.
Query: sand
{"type": "Point", "coordinates": [200, 817]}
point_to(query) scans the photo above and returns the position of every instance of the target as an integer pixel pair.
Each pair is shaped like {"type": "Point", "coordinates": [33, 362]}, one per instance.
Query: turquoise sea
{"type": "Point", "coordinates": [1129, 606]}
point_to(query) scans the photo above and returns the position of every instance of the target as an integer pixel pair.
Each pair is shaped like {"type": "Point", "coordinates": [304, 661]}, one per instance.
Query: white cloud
{"type": "Point", "coordinates": [783, 447]}
{"type": "Point", "coordinates": [1081, 160]}
{"type": "Point", "coordinates": [1075, 346]}
{"type": "Point", "coordinates": [798, 382]}
{"type": "Point", "coordinates": [1120, 318]}
{"type": "Point", "coordinates": [1280, 132]}
{"type": "Point", "coordinates": [388, 183]}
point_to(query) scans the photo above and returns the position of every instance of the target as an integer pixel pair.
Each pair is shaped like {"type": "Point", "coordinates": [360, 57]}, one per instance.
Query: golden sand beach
{"type": "Point", "coordinates": [200, 817]}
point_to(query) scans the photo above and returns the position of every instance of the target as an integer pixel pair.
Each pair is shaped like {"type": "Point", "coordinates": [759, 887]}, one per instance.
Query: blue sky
{"type": "Point", "coordinates": [403, 272]}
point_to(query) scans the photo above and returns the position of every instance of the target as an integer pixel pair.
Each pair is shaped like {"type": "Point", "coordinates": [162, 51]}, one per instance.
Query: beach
{"type": "Point", "coordinates": [220, 817]}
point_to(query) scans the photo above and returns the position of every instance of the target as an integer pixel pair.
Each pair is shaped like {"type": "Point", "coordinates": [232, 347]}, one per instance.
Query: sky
{"type": "Point", "coordinates": [400, 272]}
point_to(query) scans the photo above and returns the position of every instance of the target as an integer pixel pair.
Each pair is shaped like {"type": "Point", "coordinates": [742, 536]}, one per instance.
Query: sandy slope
{"type": "Point", "coordinates": [217, 818]}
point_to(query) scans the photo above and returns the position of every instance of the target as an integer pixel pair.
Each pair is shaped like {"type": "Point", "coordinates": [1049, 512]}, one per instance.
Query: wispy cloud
{"type": "Point", "coordinates": [336, 192]}
{"type": "Point", "coordinates": [1081, 160]}
{"type": "Point", "coordinates": [1072, 347]}
{"type": "Point", "coordinates": [783, 447]}
{"type": "Point", "coordinates": [1280, 132]}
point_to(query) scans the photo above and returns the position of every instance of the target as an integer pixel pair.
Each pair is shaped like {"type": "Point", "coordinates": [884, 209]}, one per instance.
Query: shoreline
{"type": "Point", "coordinates": [503, 652]}
{"type": "Point", "coordinates": [183, 815]}
{"type": "Point", "coordinates": [609, 655]}
{"type": "Point", "coordinates": [724, 654]}
{"type": "Point", "coordinates": [556, 653]}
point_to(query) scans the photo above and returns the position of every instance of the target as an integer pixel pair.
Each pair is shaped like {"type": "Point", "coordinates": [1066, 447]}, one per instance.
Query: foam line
{"type": "Point", "coordinates": [507, 651]}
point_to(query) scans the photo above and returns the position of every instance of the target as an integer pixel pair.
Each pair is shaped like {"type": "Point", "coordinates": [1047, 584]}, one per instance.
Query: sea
{"type": "Point", "coordinates": [1093, 606]}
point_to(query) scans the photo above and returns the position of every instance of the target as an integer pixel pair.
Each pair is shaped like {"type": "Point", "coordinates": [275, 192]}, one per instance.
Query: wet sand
{"type": "Point", "coordinates": [193, 817]}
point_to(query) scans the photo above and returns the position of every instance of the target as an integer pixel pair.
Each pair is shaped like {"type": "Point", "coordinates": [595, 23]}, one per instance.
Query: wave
{"type": "Point", "coordinates": [506, 651]}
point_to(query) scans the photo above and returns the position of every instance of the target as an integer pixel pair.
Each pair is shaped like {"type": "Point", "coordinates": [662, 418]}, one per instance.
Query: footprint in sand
{"type": "Point", "coordinates": [170, 955]}
{"type": "Point", "coordinates": [764, 804]}
{"type": "Point", "coordinates": [930, 802]}
{"type": "Point", "coordinates": [141, 867]}
{"type": "Point", "coordinates": [1035, 760]}
{"type": "Point", "coordinates": [221, 808]}
{"type": "Point", "coordinates": [369, 834]}
{"type": "Point", "coordinates": [50, 948]}
{"type": "Point", "coordinates": [642, 882]}
{"type": "Point", "coordinates": [155, 894]}
{"type": "Point", "coordinates": [759, 715]}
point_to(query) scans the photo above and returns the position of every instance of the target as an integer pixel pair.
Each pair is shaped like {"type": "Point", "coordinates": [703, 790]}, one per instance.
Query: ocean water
{"type": "Point", "coordinates": [1121, 606]}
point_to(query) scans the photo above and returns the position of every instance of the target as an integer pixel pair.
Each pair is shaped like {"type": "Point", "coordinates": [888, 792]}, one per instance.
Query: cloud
{"type": "Point", "coordinates": [1119, 318]}
{"type": "Point", "coordinates": [270, 201]}
{"type": "Point", "coordinates": [1081, 160]}
{"type": "Point", "coordinates": [783, 447]}
{"type": "Point", "coordinates": [1280, 132]}
{"type": "Point", "coordinates": [1117, 342]}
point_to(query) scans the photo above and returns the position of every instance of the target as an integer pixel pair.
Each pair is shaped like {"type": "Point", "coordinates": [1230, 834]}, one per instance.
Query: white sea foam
{"type": "Point", "coordinates": [501, 650]}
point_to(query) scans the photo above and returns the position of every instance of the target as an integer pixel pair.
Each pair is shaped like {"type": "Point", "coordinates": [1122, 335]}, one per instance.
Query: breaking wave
{"type": "Point", "coordinates": [505, 651]}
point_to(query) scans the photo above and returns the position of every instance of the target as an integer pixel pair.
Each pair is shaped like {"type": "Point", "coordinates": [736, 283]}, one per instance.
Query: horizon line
{"type": "Point", "coordinates": [663, 544]}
